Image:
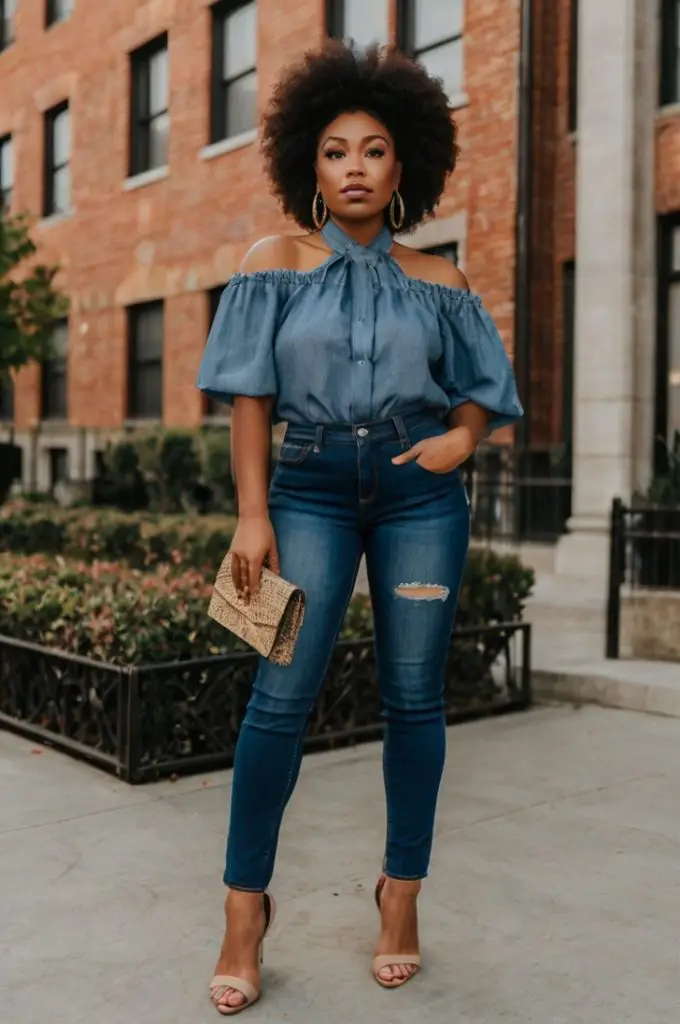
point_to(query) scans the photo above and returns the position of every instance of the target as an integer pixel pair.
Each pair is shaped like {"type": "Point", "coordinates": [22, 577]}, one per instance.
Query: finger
{"type": "Point", "coordinates": [274, 563]}
{"type": "Point", "coordinates": [239, 572]}
{"type": "Point", "coordinates": [407, 456]}
{"type": "Point", "coordinates": [254, 572]}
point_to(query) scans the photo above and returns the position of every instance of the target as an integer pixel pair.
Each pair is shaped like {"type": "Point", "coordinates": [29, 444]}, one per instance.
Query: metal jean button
{"type": "Point", "coordinates": [362, 432]}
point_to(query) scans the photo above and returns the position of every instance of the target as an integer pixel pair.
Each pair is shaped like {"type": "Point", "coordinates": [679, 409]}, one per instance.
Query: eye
{"type": "Point", "coordinates": [333, 154]}
{"type": "Point", "coordinates": [376, 152]}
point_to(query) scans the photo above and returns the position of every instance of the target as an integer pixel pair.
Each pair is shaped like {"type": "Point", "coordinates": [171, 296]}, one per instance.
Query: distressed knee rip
{"type": "Point", "coordinates": [422, 591]}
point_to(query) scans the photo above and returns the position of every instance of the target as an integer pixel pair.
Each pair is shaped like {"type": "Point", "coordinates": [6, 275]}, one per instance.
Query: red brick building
{"type": "Point", "coordinates": [130, 130]}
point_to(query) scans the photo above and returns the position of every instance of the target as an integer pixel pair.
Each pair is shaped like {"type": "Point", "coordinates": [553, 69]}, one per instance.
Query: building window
{"type": "Point", "coordinates": [431, 31]}
{"type": "Point", "coordinates": [211, 407]}
{"type": "Point", "coordinates": [145, 374]}
{"type": "Point", "coordinates": [150, 121]}
{"type": "Point", "coordinates": [449, 251]}
{"type": "Point", "coordinates": [6, 172]}
{"type": "Point", "coordinates": [7, 12]}
{"type": "Point", "coordinates": [568, 334]}
{"type": "Point", "coordinates": [234, 69]}
{"type": "Point", "coordinates": [6, 400]}
{"type": "Point", "coordinates": [668, 348]}
{"type": "Point", "coordinates": [572, 113]}
{"type": "Point", "coordinates": [54, 376]}
{"type": "Point", "coordinates": [58, 10]}
{"type": "Point", "coordinates": [57, 160]}
{"type": "Point", "coordinates": [58, 466]}
{"type": "Point", "coordinates": [358, 21]}
{"type": "Point", "coordinates": [670, 51]}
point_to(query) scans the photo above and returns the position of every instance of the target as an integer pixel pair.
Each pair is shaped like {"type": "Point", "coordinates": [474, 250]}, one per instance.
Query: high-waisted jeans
{"type": "Point", "coordinates": [336, 494]}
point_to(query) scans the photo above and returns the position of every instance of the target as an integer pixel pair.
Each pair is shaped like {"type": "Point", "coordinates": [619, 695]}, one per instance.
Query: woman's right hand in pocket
{"type": "Point", "coordinates": [254, 544]}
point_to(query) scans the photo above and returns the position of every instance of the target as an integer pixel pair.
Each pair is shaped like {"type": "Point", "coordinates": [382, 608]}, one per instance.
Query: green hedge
{"type": "Point", "coordinates": [119, 614]}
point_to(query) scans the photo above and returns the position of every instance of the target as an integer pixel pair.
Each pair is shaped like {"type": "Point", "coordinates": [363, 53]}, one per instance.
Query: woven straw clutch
{"type": "Point", "coordinates": [270, 622]}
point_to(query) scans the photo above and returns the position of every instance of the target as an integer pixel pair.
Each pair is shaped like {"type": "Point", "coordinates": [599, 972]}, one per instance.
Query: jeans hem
{"type": "Point", "coordinates": [404, 878]}
{"type": "Point", "coordinates": [244, 888]}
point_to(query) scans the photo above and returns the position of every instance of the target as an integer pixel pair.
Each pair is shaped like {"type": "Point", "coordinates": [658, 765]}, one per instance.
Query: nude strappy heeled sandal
{"type": "Point", "coordinates": [222, 982]}
{"type": "Point", "coordinates": [392, 959]}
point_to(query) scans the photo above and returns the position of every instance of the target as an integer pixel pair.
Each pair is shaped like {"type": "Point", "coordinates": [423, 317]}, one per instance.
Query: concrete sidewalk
{"type": "Point", "coordinates": [554, 897]}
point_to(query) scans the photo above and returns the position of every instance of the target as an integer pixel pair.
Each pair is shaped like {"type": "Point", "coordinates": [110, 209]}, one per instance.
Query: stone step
{"type": "Point", "coordinates": [648, 686]}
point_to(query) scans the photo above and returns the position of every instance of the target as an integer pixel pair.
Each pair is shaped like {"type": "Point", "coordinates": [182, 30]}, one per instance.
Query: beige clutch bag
{"type": "Point", "coordinates": [270, 622]}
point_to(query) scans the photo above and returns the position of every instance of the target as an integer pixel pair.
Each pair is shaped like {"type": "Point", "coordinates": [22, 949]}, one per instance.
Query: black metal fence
{"type": "Point", "coordinates": [644, 552]}
{"type": "Point", "coordinates": [519, 494]}
{"type": "Point", "coordinates": [144, 723]}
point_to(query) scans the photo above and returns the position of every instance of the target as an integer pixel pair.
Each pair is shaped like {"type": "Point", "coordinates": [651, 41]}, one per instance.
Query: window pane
{"type": "Point", "coordinates": [6, 400]}
{"type": "Point", "coordinates": [159, 130]}
{"type": "Point", "coordinates": [673, 359]}
{"type": "Point", "coordinates": [675, 259]}
{"type": "Point", "coordinates": [241, 105]}
{"type": "Point", "coordinates": [58, 465]}
{"type": "Point", "coordinates": [61, 136]}
{"type": "Point", "coordinates": [436, 20]}
{"type": "Point", "coordinates": [146, 390]}
{"type": "Point", "coordinates": [59, 341]}
{"type": "Point", "coordinates": [366, 21]}
{"type": "Point", "coordinates": [148, 335]}
{"type": "Point", "coordinates": [158, 82]}
{"type": "Point", "coordinates": [446, 62]}
{"type": "Point", "coordinates": [240, 41]}
{"type": "Point", "coordinates": [61, 190]}
{"type": "Point", "coordinates": [6, 164]}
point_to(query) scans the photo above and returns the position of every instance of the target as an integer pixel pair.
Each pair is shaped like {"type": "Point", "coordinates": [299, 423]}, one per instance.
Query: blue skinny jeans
{"type": "Point", "coordinates": [335, 494]}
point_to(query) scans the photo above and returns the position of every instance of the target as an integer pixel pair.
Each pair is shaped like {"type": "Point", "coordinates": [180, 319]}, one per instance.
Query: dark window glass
{"type": "Point", "coordinates": [211, 406]}
{"type": "Point", "coordinates": [432, 32]}
{"type": "Point", "coordinates": [59, 10]}
{"type": "Point", "coordinates": [668, 346]}
{"type": "Point", "coordinates": [449, 251]}
{"type": "Point", "coordinates": [145, 389]}
{"type": "Point", "coordinates": [670, 51]}
{"type": "Point", "coordinates": [6, 400]}
{"type": "Point", "coordinates": [359, 21]}
{"type": "Point", "coordinates": [573, 66]}
{"type": "Point", "coordinates": [568, 329]}
{"type": "Point", "coordinates": [150, 121]}
{"type": "Point", "coordinates": [58, 466]}
{"type": "Point", "coordinates": [7, 11]}
{"type": "Point", "coordinates": [57, 160]}
{"type": "Point", "coordinates": [234, 69]}
{"type": "Point", "coordinates": [55, 376]}
{"type": "Point", "coordinates": [6, 172]}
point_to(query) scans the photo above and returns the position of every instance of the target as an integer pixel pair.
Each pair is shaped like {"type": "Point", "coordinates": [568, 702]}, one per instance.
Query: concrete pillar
{"type": "Point", "coordinates": [615, 271]}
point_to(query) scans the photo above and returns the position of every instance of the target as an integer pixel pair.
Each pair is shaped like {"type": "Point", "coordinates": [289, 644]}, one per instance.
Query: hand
{"type": "Point", "coordinates": [254, 542]}
{"type": "Point", "coordinates": [442, 453]}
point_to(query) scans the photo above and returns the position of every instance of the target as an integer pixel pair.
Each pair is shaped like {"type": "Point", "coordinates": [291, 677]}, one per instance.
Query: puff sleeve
{"type": "Point", "coordinates": [238, 358]}
{"type": "Point", "coordinates": [476, 365]}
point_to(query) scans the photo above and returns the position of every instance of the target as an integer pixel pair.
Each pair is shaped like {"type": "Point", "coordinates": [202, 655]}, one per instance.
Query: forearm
{"type": "Point", "coordinates": [251, 438]}
{"type": "Point", "coordinates": [472, 418]}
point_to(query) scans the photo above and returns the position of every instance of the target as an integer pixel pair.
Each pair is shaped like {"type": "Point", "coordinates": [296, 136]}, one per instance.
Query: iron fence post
{"type": "Point", "coordinates": [615, 576]}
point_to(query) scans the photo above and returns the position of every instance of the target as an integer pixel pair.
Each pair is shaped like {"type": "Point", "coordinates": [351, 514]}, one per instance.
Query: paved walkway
{"type": "Point", "coordinates": [554, 898]}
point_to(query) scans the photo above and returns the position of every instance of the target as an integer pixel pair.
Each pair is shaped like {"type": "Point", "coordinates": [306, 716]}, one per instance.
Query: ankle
{"type": "Point", "coordinates": [398, 889]}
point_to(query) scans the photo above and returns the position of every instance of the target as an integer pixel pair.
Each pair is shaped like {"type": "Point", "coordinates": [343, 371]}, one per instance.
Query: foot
{"type": "Point", "coordinates": [240, 952]}
{"type": "Point", "coordinates": [399, 928]}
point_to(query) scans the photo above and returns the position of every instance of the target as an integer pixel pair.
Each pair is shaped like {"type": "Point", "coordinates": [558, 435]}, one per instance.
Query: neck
{"type": "Point", "coordinates": [363, 231]}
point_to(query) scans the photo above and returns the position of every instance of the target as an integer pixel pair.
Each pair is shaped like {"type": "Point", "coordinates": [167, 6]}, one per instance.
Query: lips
{"type": "Point", "coordinates": [355, 191]}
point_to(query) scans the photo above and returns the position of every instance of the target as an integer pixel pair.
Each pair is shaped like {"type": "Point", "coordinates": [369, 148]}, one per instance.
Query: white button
{"type": "Point", "coordinates": [362, 362]}
{"type": "Point", "coordinates": [362, 432]}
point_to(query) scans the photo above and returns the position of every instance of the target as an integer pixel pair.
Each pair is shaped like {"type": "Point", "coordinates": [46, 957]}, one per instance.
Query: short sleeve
{"type": "Point", "coordinates": [476, 366]}
{"type": "Point", "coordinates": [238, 358]}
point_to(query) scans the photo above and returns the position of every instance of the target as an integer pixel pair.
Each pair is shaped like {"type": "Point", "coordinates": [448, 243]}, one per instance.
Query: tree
{"type": "Point", "coordinates": [29, 302]}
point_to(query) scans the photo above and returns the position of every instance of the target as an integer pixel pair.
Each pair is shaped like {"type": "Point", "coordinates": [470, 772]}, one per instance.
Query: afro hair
{"type": "Point", "coordinates": [395, 90]}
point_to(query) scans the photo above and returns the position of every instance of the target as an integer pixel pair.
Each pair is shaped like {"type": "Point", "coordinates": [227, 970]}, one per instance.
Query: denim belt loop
{"type": "Point", "coordinates": [318, 438]}
{"type": "Point", "coordinates": [402, 431]}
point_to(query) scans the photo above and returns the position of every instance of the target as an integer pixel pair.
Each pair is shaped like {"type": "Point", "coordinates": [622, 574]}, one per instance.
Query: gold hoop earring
{"type": "Point", "coordinates": [319, 221]}
{"type": "Point", "coordinates": [397, 222]}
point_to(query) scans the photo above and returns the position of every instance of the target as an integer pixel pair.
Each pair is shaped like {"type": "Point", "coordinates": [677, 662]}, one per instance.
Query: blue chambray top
{"type": "Point", "coordinates": [355, 340]}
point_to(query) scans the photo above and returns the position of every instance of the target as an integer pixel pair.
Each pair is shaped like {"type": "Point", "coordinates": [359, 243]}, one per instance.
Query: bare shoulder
{"type": "Point", "coordinates": [427, 267]}
{"type": "Point", "coordinates": [276, 252]}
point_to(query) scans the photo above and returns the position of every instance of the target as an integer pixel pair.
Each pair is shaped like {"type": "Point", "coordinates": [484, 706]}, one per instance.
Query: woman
{"type": "Point", "coordinates": [388, 372]}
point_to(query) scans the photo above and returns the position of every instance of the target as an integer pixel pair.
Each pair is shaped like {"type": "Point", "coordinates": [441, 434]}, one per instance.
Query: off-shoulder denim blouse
{"type": "Point", "coordinates": [354, 341]}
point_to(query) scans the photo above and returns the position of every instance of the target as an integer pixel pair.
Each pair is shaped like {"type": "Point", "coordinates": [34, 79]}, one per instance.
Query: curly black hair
{"type": "Point", "coordinates": [384, 83]}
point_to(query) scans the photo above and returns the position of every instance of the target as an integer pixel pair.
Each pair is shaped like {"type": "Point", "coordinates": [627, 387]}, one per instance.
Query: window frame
{"type": "Point", "coordinates": [133, 408]}
{"type": "Point", "coordinates": [219, 84]}
{"type": "Point", "coordinates": [335, 20]}
{"type": "Point", "coordinates": [5, 41]}
{"type": "Point", "coordinates": [572, 96]}
{"type": "Point", "coordinates": [51, 169]}
{"type": "Point", "coordinates": [141, 117]}
{"type": "Point", "coordinates": [406, 34]}
{"type": "Point", "coordinates": [6, 401]}
{"type": "Point", "coordinates": [54, 379]}
{"type": "Point", "coordinates": [667, 277]}
{"type": "Point", "coordinates": [52, 14]}
{"type": "Point", "coordinates": [6, 140]}
{"type": "Point", "coordinates": [669, 57]}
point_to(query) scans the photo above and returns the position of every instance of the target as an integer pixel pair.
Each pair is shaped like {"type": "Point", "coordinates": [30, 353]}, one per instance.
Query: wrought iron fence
{"type": "Point", "coordinates": [644, 552]}
{"type": "Point", "coordinates": [519, 494]}
{"type": "Point", "coordinates": [143, 723]}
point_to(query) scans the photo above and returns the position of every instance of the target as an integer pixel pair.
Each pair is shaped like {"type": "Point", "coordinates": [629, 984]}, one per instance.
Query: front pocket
{"type": "Point", "coordinates": [292, 454]}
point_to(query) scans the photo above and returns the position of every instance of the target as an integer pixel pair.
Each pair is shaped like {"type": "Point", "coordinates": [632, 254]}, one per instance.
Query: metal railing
{"type": "Point", "coordinates": [518, 494]}
{"type": "Point", "coordinates": [143, 723]}
{"type": "Point", "coordinates": [644, 552]}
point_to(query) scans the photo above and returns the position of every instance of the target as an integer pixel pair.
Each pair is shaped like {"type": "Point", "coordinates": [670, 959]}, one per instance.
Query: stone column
{"type": "Point", "coordinates": [615, 268]}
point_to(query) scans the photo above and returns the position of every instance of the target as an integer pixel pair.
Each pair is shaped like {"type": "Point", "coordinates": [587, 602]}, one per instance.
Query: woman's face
{"type": "Point", "coordinates": [357, 169]}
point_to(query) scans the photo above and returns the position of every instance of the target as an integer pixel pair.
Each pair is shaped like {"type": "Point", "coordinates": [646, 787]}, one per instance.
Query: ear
{"type": "Point", "coordinates": [398, 168]}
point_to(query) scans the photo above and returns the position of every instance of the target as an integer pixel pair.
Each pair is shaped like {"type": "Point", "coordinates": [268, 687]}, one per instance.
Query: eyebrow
{"type": "Point", "coordinates": [369, 138]}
